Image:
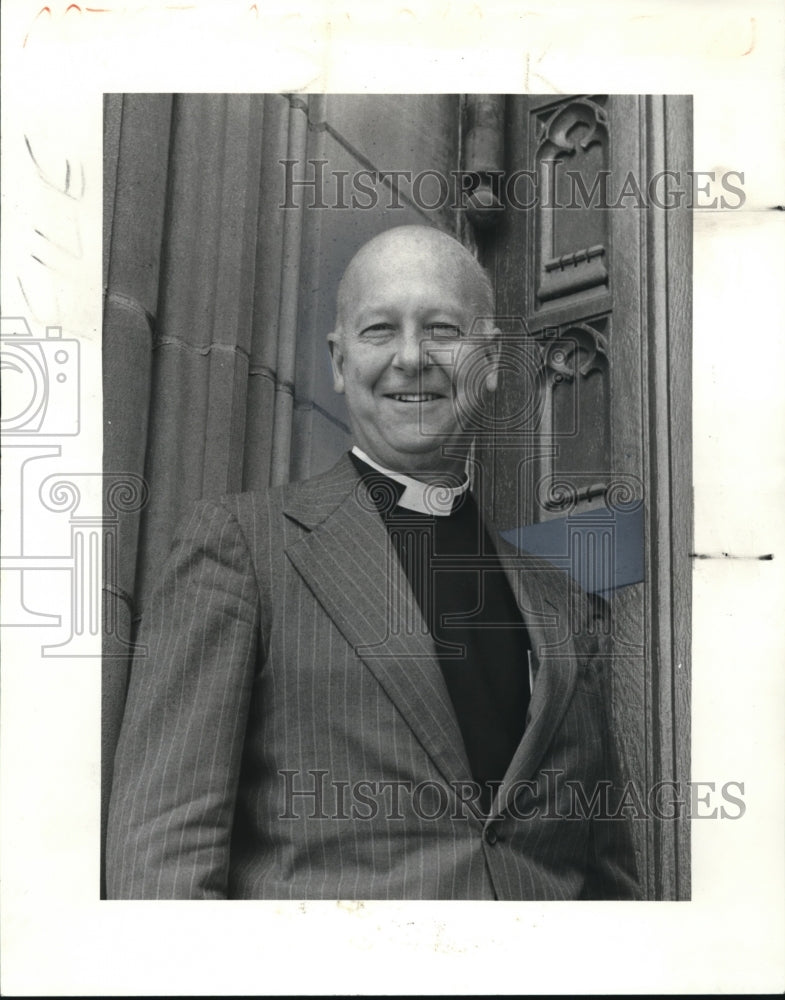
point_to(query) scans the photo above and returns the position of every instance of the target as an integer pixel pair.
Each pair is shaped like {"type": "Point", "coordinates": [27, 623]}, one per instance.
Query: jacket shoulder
{"type": "Point", "coordinates": [309, 500]}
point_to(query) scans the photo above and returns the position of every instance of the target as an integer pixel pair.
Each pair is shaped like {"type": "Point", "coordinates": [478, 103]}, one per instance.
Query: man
{"type": "Point", "coordinates": [352, 689]}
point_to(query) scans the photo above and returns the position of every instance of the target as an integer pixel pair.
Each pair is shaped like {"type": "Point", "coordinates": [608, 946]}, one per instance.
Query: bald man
{"type": "Point", "coordinates": [353, 689]}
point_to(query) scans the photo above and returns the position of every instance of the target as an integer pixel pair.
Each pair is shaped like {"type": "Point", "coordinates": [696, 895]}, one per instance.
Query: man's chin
{"type": "Point", "coordinates": [431, 454]}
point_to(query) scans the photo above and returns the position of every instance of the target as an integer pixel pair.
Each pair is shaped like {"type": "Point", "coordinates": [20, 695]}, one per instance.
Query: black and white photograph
{"type": "Point", "coordinates": [424, 361]}
{"type": "Point", "coordinates": [392, 554]}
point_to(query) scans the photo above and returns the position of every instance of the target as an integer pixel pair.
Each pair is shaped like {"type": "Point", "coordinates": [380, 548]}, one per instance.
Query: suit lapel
{"type": "Point", "coordinates": [555, 672]}
{"type": "Point", "coordinates": [348, 562]}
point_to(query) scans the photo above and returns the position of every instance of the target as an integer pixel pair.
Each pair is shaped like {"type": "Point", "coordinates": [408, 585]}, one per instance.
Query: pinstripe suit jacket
{"type": "Point", "coordinates": [289, 733]}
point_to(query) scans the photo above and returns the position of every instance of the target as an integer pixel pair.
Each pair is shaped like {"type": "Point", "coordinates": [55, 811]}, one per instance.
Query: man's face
{"type": "Point", "coordinates": [412, 379]}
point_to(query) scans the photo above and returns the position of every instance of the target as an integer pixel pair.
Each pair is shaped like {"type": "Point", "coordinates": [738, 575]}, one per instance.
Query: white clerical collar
{"type": "Point", "coordinates": [426, 498]}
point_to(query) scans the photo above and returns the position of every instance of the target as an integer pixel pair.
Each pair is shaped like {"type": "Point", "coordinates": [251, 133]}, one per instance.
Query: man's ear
{"type": "Point", "coordinates": [494, 351]}
{"type": "Point", "coordinates": [336, 358]}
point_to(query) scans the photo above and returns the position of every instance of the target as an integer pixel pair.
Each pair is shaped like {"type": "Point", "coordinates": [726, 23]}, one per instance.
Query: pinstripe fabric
{"type": "Point", "coordinates": [289, 734]}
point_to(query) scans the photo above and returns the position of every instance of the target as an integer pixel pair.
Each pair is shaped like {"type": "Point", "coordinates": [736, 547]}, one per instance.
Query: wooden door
{"type": "Point", "coordinates": [592, 459]}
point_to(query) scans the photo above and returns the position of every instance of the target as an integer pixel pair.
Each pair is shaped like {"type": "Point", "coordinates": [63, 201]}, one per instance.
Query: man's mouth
{"type": "Point", "coordinates": [413, 397]}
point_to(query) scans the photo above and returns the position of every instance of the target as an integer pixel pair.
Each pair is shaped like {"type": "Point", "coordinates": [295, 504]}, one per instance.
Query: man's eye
{"type": "Point", "coordinates": [376, 329]}
{"type": "Point", "coordinates": [443, 330]}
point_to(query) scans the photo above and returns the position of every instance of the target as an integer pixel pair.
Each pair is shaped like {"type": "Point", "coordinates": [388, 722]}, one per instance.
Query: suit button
{"type": "Point", "coordinates": [491, 836]}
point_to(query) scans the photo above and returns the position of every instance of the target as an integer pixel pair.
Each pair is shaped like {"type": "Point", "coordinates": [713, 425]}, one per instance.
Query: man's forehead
{"type": "Point", "coordinates": [431, 309]}
{"type": "Point", "coordinates": [422, 291]}
{"type": "Point", "coordinates": [412, 262]}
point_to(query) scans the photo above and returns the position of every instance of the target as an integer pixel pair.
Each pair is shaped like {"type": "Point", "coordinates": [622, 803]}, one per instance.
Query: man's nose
{"type": "Point", "coordinates": [410, 355]}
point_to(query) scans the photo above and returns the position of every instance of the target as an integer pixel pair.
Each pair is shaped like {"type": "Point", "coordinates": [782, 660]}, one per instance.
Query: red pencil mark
{"type": "Point", "coordinates": [74, 7]}
{"type": "Point", "coordinates": [43, 10]}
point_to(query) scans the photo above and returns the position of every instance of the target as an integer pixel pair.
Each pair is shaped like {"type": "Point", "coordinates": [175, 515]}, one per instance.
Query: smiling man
{"type": "Point", "coordinates": [352, 689]}
{"type": "Point", "coordinates": [413, 337]}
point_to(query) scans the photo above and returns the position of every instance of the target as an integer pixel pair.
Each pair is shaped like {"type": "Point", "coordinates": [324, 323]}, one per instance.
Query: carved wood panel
{"type": "Point", "coordinates": [582, 278]}
{"type": "Point", "coordinates": [571, 158]}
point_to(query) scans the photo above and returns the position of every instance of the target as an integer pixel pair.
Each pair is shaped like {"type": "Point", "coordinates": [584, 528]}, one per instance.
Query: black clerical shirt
{"type": "Point", "coordinates": [468, 606]}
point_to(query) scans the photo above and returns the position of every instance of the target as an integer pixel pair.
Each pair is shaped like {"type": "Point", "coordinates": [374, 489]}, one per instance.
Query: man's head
{"type": "Point", "coordinates": [414, 348]}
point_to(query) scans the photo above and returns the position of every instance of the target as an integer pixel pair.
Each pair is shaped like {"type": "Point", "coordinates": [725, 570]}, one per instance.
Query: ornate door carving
{"type": "Point", "coordinates": [592, 277]}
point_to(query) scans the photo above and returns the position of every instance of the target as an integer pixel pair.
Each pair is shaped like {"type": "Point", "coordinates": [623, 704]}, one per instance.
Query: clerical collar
{"type": "Point", "coordinates": [425, 498]}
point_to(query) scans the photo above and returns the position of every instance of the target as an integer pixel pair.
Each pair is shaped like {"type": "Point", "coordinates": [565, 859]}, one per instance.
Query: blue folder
{"type": "Point", "coordinates": [602, 549]}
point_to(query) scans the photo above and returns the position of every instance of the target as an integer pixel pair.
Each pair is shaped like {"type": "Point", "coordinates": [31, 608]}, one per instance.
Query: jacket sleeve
{"type": "Point", "coordinates": [178, 758]}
